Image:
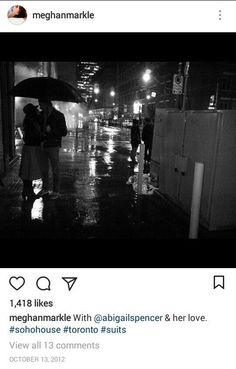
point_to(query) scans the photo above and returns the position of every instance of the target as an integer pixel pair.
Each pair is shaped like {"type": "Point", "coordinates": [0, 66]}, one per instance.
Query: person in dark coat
{"type": "Point", "coordinates": [135, 138]}
{"type": "Point", "coordinates": [54, 128]}
{"type": "Point", "coordinates": [30, 166]}
{"type": "Point", "coordinates": [147, 135]}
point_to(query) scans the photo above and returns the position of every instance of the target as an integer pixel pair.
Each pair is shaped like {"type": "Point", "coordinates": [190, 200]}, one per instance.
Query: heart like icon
{"type": "Point", "coordinates": [17, 282]}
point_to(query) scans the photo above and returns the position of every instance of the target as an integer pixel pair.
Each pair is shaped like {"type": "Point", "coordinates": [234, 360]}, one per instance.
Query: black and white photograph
{"type": "Point", "coordinates": [112, 144]}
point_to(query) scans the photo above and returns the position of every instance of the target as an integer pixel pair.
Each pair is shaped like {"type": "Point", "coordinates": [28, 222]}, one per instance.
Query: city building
{"type": "Point", "coordinates": [85, 71]}
{"type": "Point", "coordinates": [136, 93]}
{"type": "Point", "coordinates": [104, 101]}
{"type": "Point", "coordinates": [143, 86]}
{"type": "Point", "coordinates": [66, 71]}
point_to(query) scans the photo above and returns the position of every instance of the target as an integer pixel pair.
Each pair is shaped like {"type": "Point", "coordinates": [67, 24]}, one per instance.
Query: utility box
{"type": "Point", "coordinates": [180, 140]}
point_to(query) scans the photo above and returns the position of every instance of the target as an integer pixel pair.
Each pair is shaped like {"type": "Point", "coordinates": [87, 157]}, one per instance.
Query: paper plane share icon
{"type": "Point", "coordinates": [70, 281]}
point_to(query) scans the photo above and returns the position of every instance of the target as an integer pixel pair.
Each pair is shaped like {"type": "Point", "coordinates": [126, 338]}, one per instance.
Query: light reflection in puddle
{"type": "Point", "coordinates": [110, 146]}
{"type": "Point", "coordinates": [107, 158]}
{"type": "Point", "coordinates": [92, 167]}
{"type": "Point", "coordinates": [111, 130]}
{"type": "Point", "coordinates": [37, 209]}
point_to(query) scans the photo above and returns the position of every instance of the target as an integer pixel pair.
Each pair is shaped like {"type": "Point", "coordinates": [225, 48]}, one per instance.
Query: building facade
{"type": "Point", "coordinates": [202, 85]}
{"type": "Point", "coordinates": [7, 144]}
{"type": "Point", "coordinates": [85, 71]}
{"type": "Point", "coordinates": [205, 85]}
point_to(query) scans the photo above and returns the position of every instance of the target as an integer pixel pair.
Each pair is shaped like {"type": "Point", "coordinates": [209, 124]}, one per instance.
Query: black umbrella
{"type": "Point", "coordinates": [46, 88]}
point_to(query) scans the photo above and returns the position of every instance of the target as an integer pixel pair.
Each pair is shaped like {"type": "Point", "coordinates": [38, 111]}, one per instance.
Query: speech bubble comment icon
{"type": "Point", "coordinates": [43, 283]}
{"type": "Point", "coordinates": [17, 282]}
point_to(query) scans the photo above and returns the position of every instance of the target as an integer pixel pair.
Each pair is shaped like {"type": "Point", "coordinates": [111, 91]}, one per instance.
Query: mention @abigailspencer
{"type": "Point", "coordinates": [51, 15]}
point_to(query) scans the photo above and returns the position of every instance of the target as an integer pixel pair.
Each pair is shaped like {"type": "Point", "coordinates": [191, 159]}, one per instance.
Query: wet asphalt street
{"type": "Point", "coordinates": [95, 201]}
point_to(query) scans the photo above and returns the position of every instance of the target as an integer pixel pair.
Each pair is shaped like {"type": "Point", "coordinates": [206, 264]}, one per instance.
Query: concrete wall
{"type": "Point", "coordinates": [7, 147]}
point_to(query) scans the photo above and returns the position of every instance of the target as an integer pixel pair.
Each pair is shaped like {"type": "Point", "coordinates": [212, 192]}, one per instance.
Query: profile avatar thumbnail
{"type": "Point", "coordinates": [17, 14]}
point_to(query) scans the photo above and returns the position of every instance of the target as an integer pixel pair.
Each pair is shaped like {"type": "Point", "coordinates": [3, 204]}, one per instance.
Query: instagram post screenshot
{"type": "Point", "coordinates": [117, 120]}
{"type": "Point", "coordinates": [117, 145]}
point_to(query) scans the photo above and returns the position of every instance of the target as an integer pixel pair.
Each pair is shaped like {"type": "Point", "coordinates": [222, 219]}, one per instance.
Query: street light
{"type": "Point", "coordinates": [147, 75]}
{"type": "Point", "coordinates": [103, 101]}
{"type": "Point", "coordinates": [96, 88]}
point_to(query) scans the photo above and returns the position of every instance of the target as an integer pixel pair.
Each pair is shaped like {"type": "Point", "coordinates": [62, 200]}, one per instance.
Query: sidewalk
{"type": "Point", "coordinates": [95, 201]}
{"type": "Point", "coordinates": [114, 212]}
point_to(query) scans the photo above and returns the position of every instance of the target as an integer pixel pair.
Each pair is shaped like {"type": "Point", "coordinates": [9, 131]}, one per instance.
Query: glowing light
{"type": "Point", "coordinates": [148, 97]}
{"type": "Point", "coordinates": [37, 209]}
{"type": "Point", "coordinates": [110, 148]}
{"type": "Point", "coordinates": [107, 159]}
{"type": "Point", "coordinates": [136, 107]}
{"type": "Point", "coordinates": [96, 90]}
{"type": "Point", "coordinates": [147, 75]}
{"type": "Point", "coordinates": [111, 131]}
{"type": "Point", "coordinates": [18, 100]}
{"type": "Point", "coordinates": [112, 93]}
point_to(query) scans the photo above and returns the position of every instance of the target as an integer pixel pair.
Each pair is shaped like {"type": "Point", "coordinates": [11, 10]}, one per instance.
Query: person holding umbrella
{"type": "Point", "coordinates": [54, 128]}
{"type": "Point", "coordinates": [46, 90]}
